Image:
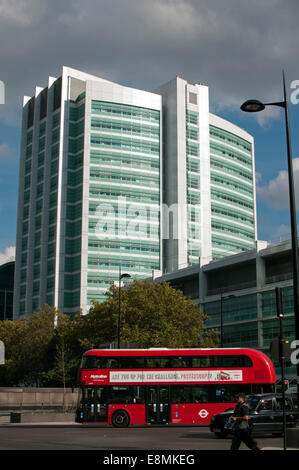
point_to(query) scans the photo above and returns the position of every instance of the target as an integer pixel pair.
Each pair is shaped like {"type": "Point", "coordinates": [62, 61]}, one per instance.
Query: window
{"type": "Point", "coordinates": [207, 393]}
{"type": "Point", "coordinates": [265, 405]}
{"type": "Point", "coordinates": [126, 394]}
{"type": "Point", "coordinates": [279, 404]}
{"type": "Point", "coordinates": [193, 98]}
{"type": "Point", "coordinates": [168, 362]}
{"type": "Point", "coordinates": [57, 93]}
{"type": "Point", "coordinates": [232, 361]}
{"type": "Point", "coordinates": [30, 115]}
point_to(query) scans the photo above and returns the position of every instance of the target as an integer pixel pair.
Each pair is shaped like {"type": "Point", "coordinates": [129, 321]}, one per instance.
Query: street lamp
{"type": "Point", "coordinates": [252, 106]}
{"type": "Point", "coordinates": [120, 277]}
{"type": "Point", "coordinates": [221, 314]}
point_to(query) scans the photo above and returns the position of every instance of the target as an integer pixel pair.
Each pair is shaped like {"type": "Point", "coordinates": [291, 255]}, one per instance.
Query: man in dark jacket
{"type": "Point", "coordinates": [241, 429]}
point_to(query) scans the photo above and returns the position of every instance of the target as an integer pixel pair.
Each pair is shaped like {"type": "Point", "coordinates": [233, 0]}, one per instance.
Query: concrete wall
{"type": "Point", "coordinates": [16, 398]}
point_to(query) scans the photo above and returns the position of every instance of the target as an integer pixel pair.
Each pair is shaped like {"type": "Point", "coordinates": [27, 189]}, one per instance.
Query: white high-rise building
{"type": "Point", "coordinates": [90, 153]}
{"type": "Point", "coordinates": [209, 175]}
{"type": "Point", "coordinates": [94, 174]}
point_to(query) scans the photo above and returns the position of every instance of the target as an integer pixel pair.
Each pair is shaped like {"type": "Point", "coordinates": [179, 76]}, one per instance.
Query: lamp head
{"type": "Point", "coordinates": [125, 275]}
{"type": "Point", "coordinates": [252, 106]}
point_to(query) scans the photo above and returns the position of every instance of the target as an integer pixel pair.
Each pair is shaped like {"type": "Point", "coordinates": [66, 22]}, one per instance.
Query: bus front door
{"type": "Point", "coordinates": [158, 406]}
{"type": "Point", "coordinates": [95, 409]}
{"type": "Point", "coordinates": [101, 407]}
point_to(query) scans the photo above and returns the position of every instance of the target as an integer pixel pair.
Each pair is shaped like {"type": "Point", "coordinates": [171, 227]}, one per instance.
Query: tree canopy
{"type": "Point", "coordinates": [45, 349]}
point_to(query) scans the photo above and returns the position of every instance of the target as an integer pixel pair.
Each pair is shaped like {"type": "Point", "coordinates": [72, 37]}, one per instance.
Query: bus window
{"type": "Point", "coordinates": [152, 395]}
{"type": "Point", "coordinates": [232, 361]}
{"type": "Point", "coordinates": [127, 394]}
{"type": "Point", "coordinates": [91, 362]}
{"type": "Point", "coordinates": [111, 363]}
{"type": "Point", "coordinates": [101, 393]}
{"type": "Point", "coordinates": [131, 362]}
{"type": "Point", "coordinates": [156, 362]}
{"type": "Point", "coordinates": [180, 362]}
{"type": "Point", "coordinates": [202, 361]}
{"type": "Point", "coordinates": [199, 394]}
{"type": "Point", "coordinates": [180, 394]}
{"type": "Point", "coordinates": [190, 394]}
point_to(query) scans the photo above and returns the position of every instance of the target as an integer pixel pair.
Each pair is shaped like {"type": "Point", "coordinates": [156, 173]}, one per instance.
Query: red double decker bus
{"type": "Point", "coordinates": [167, 386]}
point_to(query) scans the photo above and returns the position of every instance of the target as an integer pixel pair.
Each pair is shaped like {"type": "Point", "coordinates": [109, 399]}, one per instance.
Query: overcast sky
{"type": "Point", "coordinates": [237, 47]}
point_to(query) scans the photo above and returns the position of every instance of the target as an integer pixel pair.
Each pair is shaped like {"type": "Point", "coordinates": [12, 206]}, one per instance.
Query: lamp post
{"type": "Point", "coordinates": [120, 277]}
{"type": "Point", "coordinates": [253, 106]}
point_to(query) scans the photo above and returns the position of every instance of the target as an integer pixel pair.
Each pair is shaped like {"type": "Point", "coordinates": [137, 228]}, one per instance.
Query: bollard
{"type": "Point", "coordinates": [15, 417]}
{"type": "Point", "coordinates": [292, 437]}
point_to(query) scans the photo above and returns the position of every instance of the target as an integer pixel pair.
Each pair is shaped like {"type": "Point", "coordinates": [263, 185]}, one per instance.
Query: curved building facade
{"type": "Point", "coordinates": [208, 180]}
{"type": "Point", "coordinates": [233, 204]}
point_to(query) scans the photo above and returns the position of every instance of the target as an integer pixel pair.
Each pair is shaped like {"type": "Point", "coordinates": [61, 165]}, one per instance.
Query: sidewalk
{"type": "Point", "coordinates": [40, 424]}
{"type": "Point", "coordinates": [279, 448]}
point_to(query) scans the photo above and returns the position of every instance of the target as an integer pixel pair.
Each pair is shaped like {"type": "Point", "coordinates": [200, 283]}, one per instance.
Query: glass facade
{"type": "Point", "coordinates": [73, 220]}
{"type": "Point", "coordinates": [232, 193]}
{"type": "Point", "coordinates": [125, 188]}
{"type": "Point", "coordinates": [247, 325]}
{"type": "Point", "coordinates": [193, 186]}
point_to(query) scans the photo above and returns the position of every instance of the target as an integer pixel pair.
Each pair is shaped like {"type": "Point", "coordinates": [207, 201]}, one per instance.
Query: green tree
{"type": "Point", "coordinates": [153, 315]}
{"type": "Point", "coordinates": [26, 343]}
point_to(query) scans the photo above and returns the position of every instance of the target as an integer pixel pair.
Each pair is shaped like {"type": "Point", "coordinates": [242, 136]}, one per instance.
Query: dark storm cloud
{"type": "Point", "coordinates": [236, 46]}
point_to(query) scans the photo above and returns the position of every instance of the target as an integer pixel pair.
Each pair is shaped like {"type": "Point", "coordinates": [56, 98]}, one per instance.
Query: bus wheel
{"type": "Point", "coordinates": [120, 419]}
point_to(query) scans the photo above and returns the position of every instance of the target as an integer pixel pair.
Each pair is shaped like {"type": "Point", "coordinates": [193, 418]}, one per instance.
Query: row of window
{"type": "Point", "coordinates": [192, 117]}
{"type": "Point", "coordinates": [192, 133]}
{"type": "Point", "coordinates": [233, 309]}
{"type": "Point", "coordinates": [139, 196]}
{"type": "Point", "coordinates": [111, 229]}
{"type": "Point", "coordinates": [233, 230]}
{"type": "Point", "coordinates": [231, 185]}
{"type": "Point", "coordinates": [193, 182]}
{"type": "Point", "coordinates": [231, 214]}
{"type": "Point", "coordinates": [166, 362]}
{"type": "Point", "coordinates": [192, 149]}
{"type": "Point", "coordinates": [121, 159]}
{"type": "Point", "coordinates": [193, 165]}
{"type": "Point", "coordinates": [76, 144]}
{"type": "Point", "coordinates": [219, 196]}
{"type": "Point", "coordinates": [220, 150]}
{"type": "Point", "coordinates": [120, 177]}
{"type": "Point", "coordinates": [125, 144]}
{"type": "Point", "coordinates": [139, 266]}
{"type": "Point", "coordinates": [226, 168]}
{"type": "Point", "coordinates": [125, 111]}
{"type": "Point", "coordinates": [77, 112]}
{"type": "Point", "coordinates": [76, 128]}
{"type": "Point", "coordinates": [123, 246]}
{"type": "Point", "coordinates": [173, 394]}
{"type": "Point", "coordinates": [121, 127]}
{"type": "Point", "coordinates": [42, 128]}
{"type": "Point", "coordinates": [126, 212]}
{"type": "Point", "coordinates": [230, 245]}
{"type": "Point", "coordinates": [230, 138]}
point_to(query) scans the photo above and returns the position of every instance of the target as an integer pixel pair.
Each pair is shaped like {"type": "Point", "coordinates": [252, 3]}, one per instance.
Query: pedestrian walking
{"type": "Point", "coordinates": [241, 428]}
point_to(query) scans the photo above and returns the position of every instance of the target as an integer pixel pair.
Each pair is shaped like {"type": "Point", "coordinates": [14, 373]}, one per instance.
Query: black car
{"type": "Point", "coordinates": [265, 413]}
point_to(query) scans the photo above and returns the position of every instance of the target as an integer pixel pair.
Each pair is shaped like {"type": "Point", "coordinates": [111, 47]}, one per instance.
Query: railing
{"type": "Point", "coordinates": [21, 406]}
{"type": "Point", "coordinates": [231, 287]}
{"type": "Point", "coordinates": [278, 278]}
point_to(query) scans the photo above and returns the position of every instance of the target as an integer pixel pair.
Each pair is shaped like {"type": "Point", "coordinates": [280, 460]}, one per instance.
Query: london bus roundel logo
{"type": "Point", "coordinates": [203, 413]}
